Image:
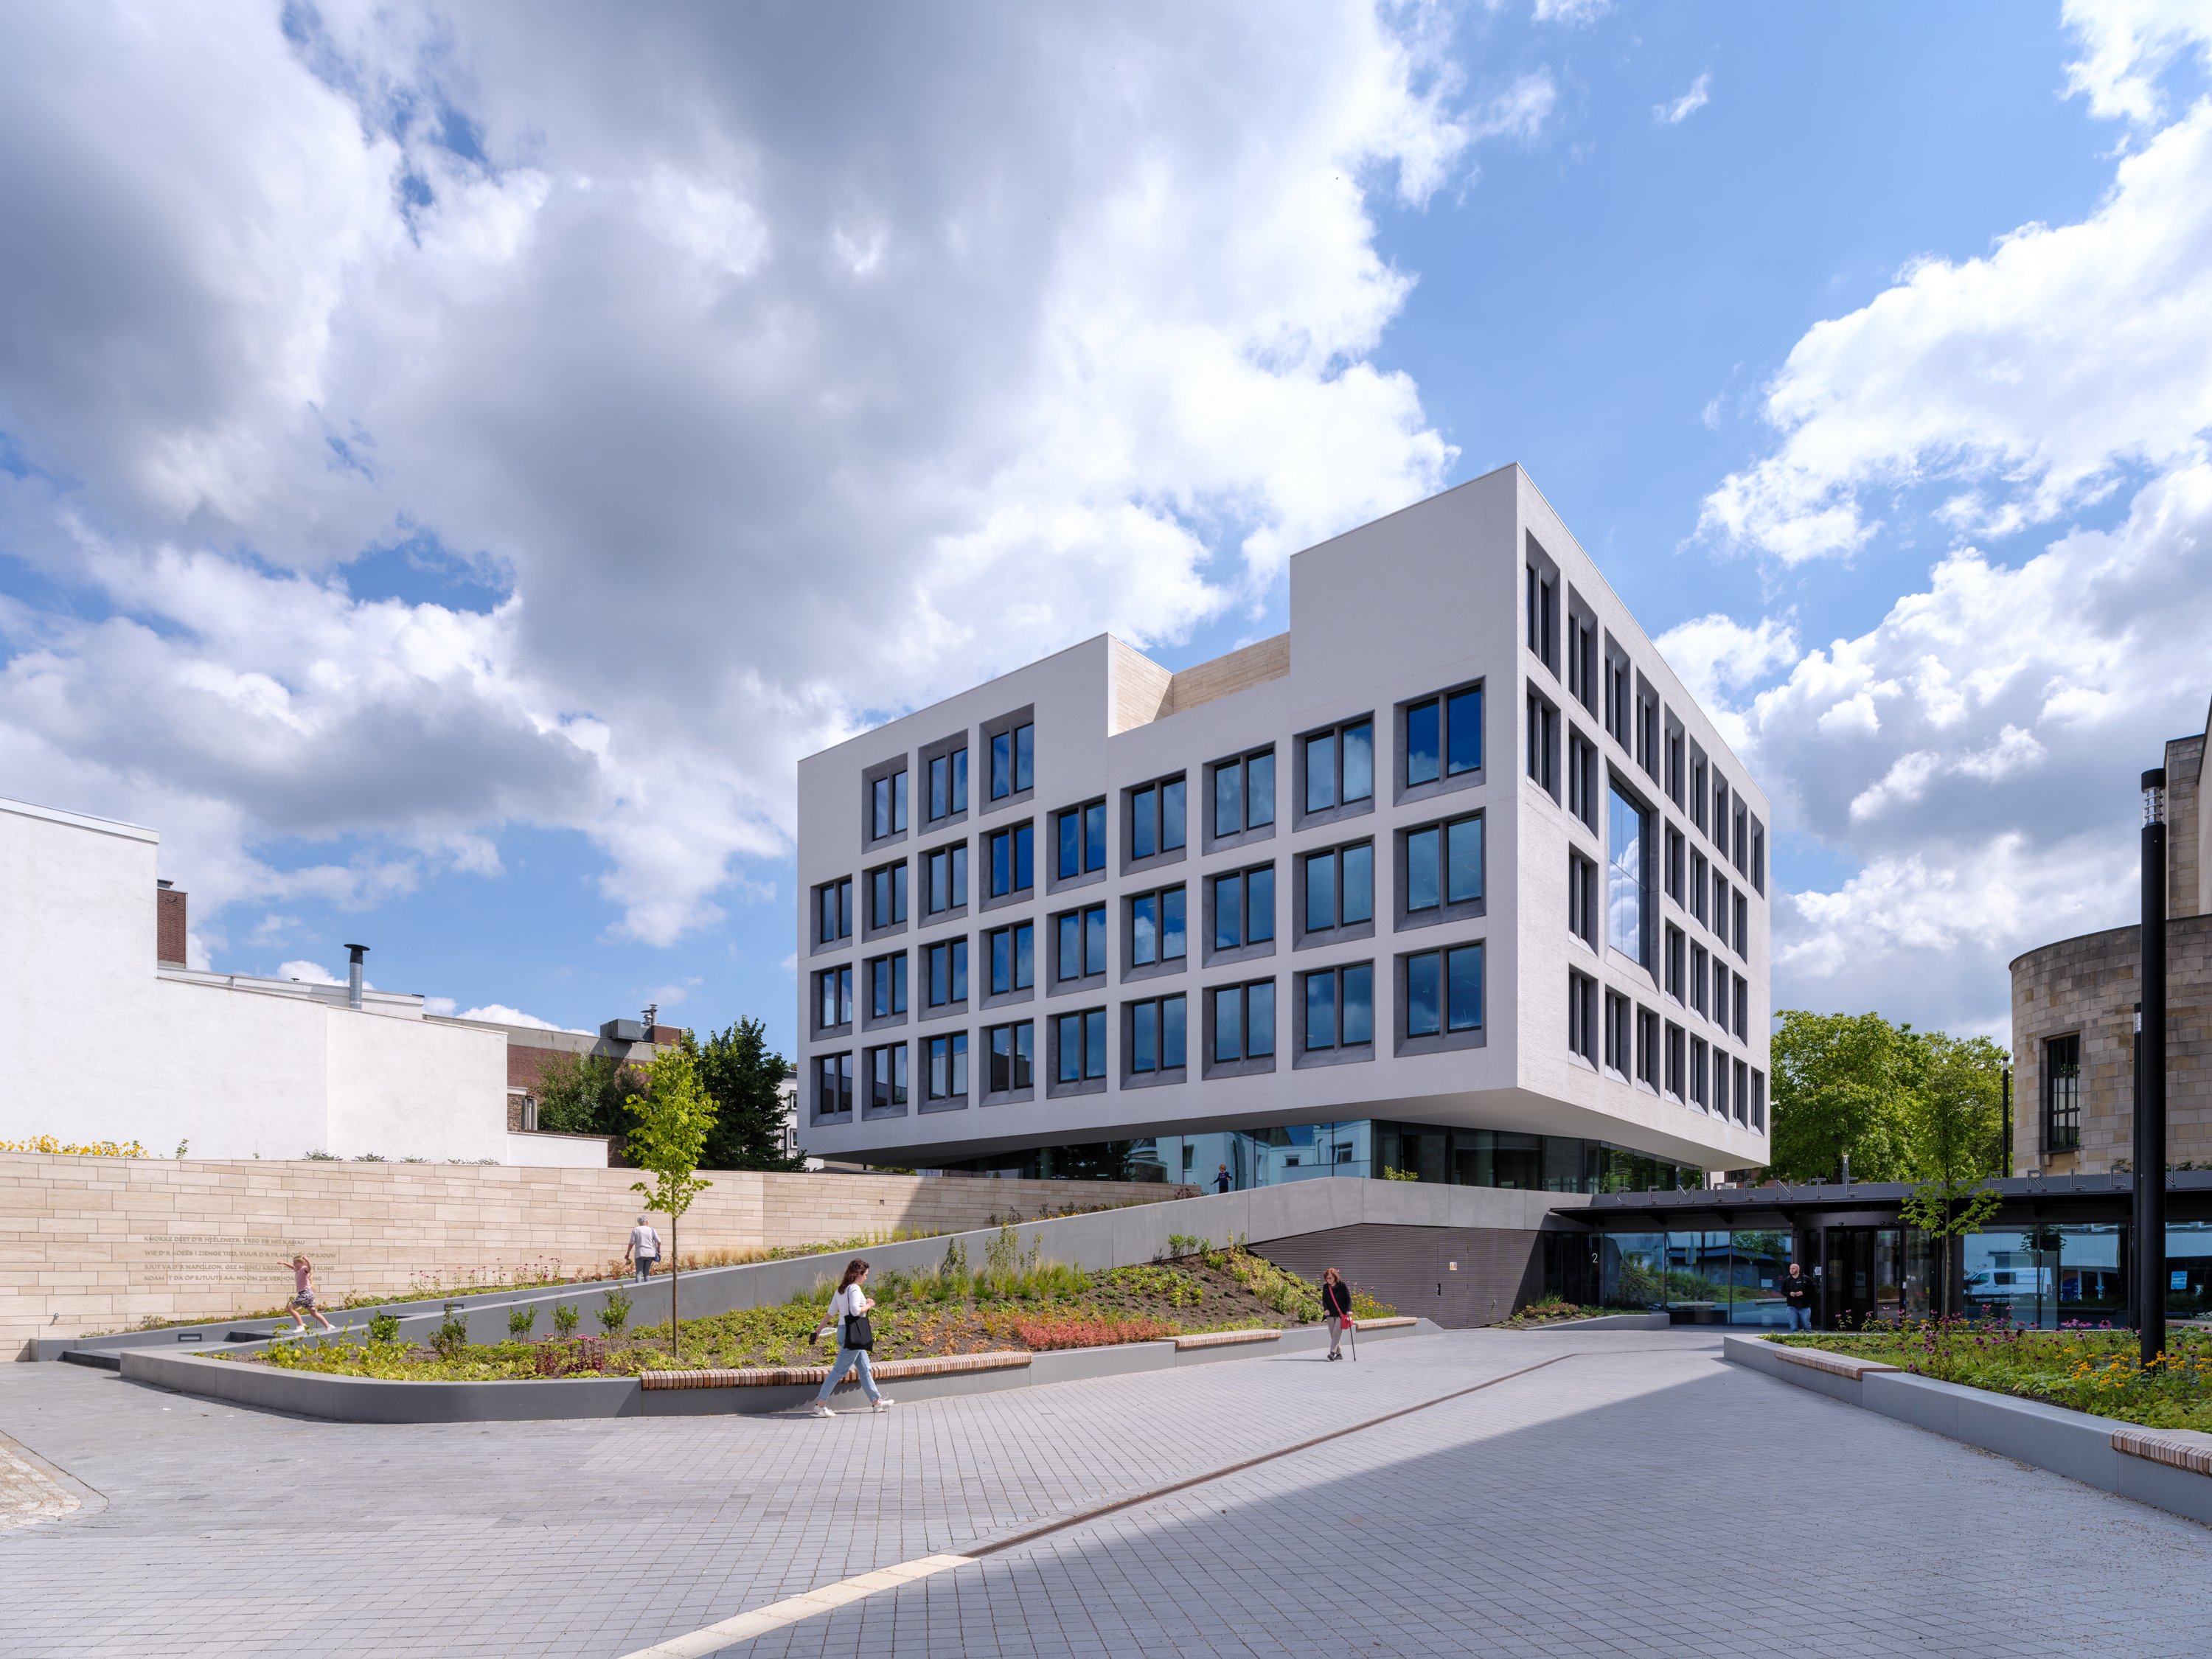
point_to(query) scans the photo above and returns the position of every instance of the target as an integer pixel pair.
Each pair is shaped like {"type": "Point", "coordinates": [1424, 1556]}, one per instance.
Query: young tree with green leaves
{"type": "Point", "coordinates": [1954, 1140]}
{"type": "Point", "coordinates": [744, 1077]}
{"type": "Point", "coordinates": [1842, 1086]}
{"type": "Point", "coordinates": [674, 1119]}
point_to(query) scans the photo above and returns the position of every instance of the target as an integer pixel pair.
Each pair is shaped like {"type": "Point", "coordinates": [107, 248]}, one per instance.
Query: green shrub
{"type": "Point", "coordinates": [566, 1319]}
{"type": "Point", "coordinates": [616, 1314]}
{"type": "Point", "coordinates": [384, 1328]}
{"type": "Point", "coordinates": [451, 1337]}
{"type": "Point", "coordinates": [519, 1320]}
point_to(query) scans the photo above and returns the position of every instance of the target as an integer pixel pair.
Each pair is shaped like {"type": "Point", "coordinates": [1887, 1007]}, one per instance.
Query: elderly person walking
{"type": "Point", "coordinates": [645, 1245]}
{"type": "Point", "coordinates": [848, 1317]}
{"type": "Point", "coordinates": [1336, 1308]}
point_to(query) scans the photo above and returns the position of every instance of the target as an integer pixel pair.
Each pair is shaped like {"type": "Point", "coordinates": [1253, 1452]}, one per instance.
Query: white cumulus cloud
{"type": "Point", "coordinates": [1676, 111]}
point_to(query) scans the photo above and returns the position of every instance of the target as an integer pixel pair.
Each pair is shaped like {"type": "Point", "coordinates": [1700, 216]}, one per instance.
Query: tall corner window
{"type": "Point", "coordinates": [887, 806]}
{"type": "Point", "coordinates": [2062, 1093]}
{"type": "Point", "coordinates": [1080, 833]}
{"type": "Point", "coordinates": [1628, 879]}
{"type": "Point", "coordinates": [1339, 765]}
{"type": "Point", "coordinates": [1444, 991]}
{"type": "Point", "coordinates": [948, 785]}
{"type": "Point", "coordinates": [1013, 762]}
{"type": "Point", "coordinates": [1543, 745]}
{"type": "Point", "coordinates": [1244, 793]}
{"type": "Point", "coordinates": [1339, 1006]}
{"type": "Point", "coordinates": [1156, 819]}
{"type": "Point", "coordinates": [1158, 1035]}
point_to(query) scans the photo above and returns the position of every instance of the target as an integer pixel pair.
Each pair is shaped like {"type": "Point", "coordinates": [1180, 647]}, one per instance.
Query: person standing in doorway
{"type": "Point", "coordinates": [645, 1245]}
{"type": "Point", "coordinates": [848, 1318]}
{"type": "Point", "coordinates": [1222, 1182]}
{"type": "Point", "coordinates": [1797, 1294]}
{"type": "Point", "coordinates": [303, 1294]}
{"type": "Point", "coordinates": [1336, 1308]}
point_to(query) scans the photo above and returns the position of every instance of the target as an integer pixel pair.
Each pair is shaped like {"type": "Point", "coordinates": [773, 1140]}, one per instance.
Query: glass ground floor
{"type": "Point", "coordinates": [1363, 1149]}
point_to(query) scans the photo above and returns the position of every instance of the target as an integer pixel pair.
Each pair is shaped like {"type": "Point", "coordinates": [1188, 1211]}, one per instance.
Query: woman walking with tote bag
{"type": "Point", "coordinates": [1336, 1305]}
{"type": "Point", "coordinates": [848, 1318]}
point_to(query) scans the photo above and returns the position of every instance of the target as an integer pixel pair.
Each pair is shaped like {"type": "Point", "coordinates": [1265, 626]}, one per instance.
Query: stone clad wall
{"type": "Point", "coordinates": [100, 1243]}
{"type": "Point", "coordinates": [2090, 984]}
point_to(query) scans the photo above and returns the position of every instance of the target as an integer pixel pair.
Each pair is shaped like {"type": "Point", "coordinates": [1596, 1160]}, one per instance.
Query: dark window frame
{"type": "Point", "coordinates": [1249, 1065]}
{"type": "Point", "coordinates": [959, 1061]}
{"type": "Point", "coordinates": [960, 864]}
{"type": "Point", "coordinates": [1305, 818]}
{"type": "Point", "coordinates": [1303, 935]}
{"type": "Point", "coordinates": [1009, 725]}
{"type": "Point", "coordinates": [959, 781]}
{"type": "Point", "coordinates": [897, 1086]}
{"type": "Point", "coordinates": [983, 883]}
{"type": "Point", "coordinates": [2062, 1093]}
{"type": "Point", "coordinates": [1447, 781]}
{"type": "Point", "coordinates": [1014, 1092]}
{"type": "Point", "coordinates": [1340, 1050]}
{"type": "Point", "coordinates": [1092, 1079]}
{"type": "Point", "coordinates": [1014, 993]}
{"type": "Point", "coordinates": [1447, 909]}
{"type": "Point", "coordinates": [1251, 950]}
{"type": "Point", "coordinates": [1210, 840]}
{"type": "Point", "coordinates": [1160, 1075]}
{"type": "Point", "coordinates": [897, 985]}
{"type": "Point", "coordinates": [845, 908]}
{"type": "Point", "coordinates": [1132, 806]}
{"type": "Point", "coordinates": [898, 799]}
{"type": "Point", "coordinates": [1446, 1037]}
{"type": "Point", "coordinates": [901, 898]}
{"type": "Point", "coordinates": [1131, 970]}
{"type": "Point", "coordinates": [1088, 982]}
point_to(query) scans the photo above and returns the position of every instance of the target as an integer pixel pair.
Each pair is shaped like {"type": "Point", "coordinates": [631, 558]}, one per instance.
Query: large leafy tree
{"type": "Point", "coordinates": [1843, 1083]}
{"type": "Point", "coordinates": [584, 1094]}
{"type": "Point", "coordinates": [743, 1077]}
{"type": "Point", "coordinates": [1955, 1138]}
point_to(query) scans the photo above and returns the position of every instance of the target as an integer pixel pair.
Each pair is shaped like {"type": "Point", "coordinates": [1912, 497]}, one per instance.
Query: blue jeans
{"type": "Point", "coordinates": [1801, 1319]}
{"type": "Point", "coordinates": [645, 1268]}
{"type": "Point", "coordinates": [846, 1358]}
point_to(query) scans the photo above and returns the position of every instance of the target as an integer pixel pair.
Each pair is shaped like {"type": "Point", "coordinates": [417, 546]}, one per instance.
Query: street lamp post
{"type": "Point", "coordinates": [2150, 1075]}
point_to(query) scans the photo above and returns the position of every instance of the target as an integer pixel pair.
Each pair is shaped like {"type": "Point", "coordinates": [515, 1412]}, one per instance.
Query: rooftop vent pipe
{"type": "Point", "coordinates": [353, 975]}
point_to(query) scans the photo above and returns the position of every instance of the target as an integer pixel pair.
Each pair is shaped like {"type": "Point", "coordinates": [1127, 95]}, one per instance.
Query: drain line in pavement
{"type": "Point", "coordinates": [698, 1644]}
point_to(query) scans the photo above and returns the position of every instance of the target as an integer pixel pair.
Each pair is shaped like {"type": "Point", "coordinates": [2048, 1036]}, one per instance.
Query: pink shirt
{"type": "Point", "coordinates": [300, 1276]}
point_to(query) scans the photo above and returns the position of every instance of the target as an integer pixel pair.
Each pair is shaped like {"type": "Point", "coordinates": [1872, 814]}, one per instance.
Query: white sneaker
{"type": "Point", "coordinates": [820, 1410]}
{"type": "Point", "coordinates": [884, 1405]}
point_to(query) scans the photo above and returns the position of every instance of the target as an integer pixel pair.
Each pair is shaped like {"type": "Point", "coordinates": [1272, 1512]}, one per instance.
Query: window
{"type": "Point", "coordinates": [886, 1074]}
{"type": "Point", "coordinates": [1628, 879]}
{"type": "Point", "coordinates": [1742, 1091]}
{"type": "Point", "coordinates": [2061, 1094]}
{"type": "Point", "coordinates": [948, 972]}
{"type": "Point", "coordinates": [1677, 884]}
{"type": "Point", "coordinates": [1742, 927]}
{"type": "Point", "coordinates": [1721, 813]}
{"type": "Point", "coordinates": [1012, 1049]}
{"type": "Point", "coordinates": [1082, 943]}
{"type": "Point", "coordinates": [948, 785]}
{"type": "Point", "coordinates": [1244, 908]}
{"type": "Point", "coordinates": [1013, 860]}
{"type": "Point", "coordinates": [1698, 885]}
{"type": "Point", "coordinates": [1720, 994]}
{"type": "Point", "coordinates": [1759, 1100]}
{"type": "Point", "coordinates": [1156, 928]}
{"type": "Point", "coordinates": [1647, 1047]}
{"type": "Point", "coordinates": [948, 878]}
{"type": "Point", "coordinates": [1674, 771]}
{"type": "Point", "coordinates": [833, 910]}
{"type": "Point", "coordinates": [1696, 787]}
{"type": "Point", "coordinates": [1698, 978]}
{"type": "Point", "coordinates": [887, 985]}
{"type": "Point", "coordinates": [1647, 731]}
{"type": "Point", "coordinates": [1340, 766]}
{"type": "Point", "coordinates": [1677, 1062]}
{"type": "Point", "coordinates": [1014, 957]}
{"type": "Point", "coordinates": [1720, 1084]}
{"type": "Point", "coordinates": [948, 1066]}
{"type": "Point", "coordinates": [1339, 887]}
{"type": "Point", "coordinates": [887, 895]}
{"type": "Point", "coordinates": [833, 1084]}
{"type": "Point", "coordinates": [1582, 899]}
{"type": "Point", "coordinates": [1673, 963]}
{"type": "Point", "coordinates": [1542, 605]}
{"type": "Point", "coordinates": [1582, 652]}
{"type": "Point", "coordinates": [1444, 991]}
{"type": "Point", "coordinates": [1698, 1052]}
{"type": "Point", "coordinates": [1244, 793]}
{"type": "Point", "coordinates": [1582, 777]}
{"type": "Point", "coordinates": [887, 806]}
{"type": "Point", "coordinates": [1443, 737]}
{"type": "Point", "coordinates": [1759, 855]}
{"type": "Point", "coordinates": [1156, 819]}
{"type": "Point", "coordinates": [1157, 1034]}
{"type": "Point", "coordinates": [1244, 1022]}
{"type": "Point", "coordinates": [1742, 1015]}
{"type": "Point", "coordinates": [1720, 906]}
{"type": "Point", "coordinates": [1339, 1006]}
{"type": "Point", "coordinates": [1543, 745]}
{"type": "Point", "coordinates": [1081, 839]}
{"type": "Point", "coordinates": [1620, 698]}
{"type": "Point", "coordinates": [1581, 1016]}
{"type": "Point", "coordinates": [1013, 762]}
{"type": "Point", "coordinates": [1619, 1035]}
{"type": "Point", "coordinates": [1444, 864]}
{"type": "Point", "coordinates": [1741, 857]}
{"type": "Point", "coordinates": [833, 997]}
{"type": "Point", "coordinates": [1081, 1039]}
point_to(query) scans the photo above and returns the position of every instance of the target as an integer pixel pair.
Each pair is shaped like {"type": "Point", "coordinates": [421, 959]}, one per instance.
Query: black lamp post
{"type": "Point", "coordinates": [2150, 1079]}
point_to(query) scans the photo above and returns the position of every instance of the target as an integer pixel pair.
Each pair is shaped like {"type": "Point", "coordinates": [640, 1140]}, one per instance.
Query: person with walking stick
{"type": "Point", "coordinates": [1336, 1310]}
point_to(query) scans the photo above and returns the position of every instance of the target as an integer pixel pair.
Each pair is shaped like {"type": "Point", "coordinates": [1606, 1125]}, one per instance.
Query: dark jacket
{"type": "Point", "coordinates": [1798, 1287]}
{"type": "Point", "coordinates": [1336, 1299]}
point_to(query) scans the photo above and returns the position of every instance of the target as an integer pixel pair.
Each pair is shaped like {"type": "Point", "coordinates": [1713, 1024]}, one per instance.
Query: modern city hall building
{"type": "Point", "coordinates": [1453, 879]}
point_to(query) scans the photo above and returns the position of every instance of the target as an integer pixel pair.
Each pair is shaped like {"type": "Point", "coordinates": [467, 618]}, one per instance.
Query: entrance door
{"type": "Point", "coordinates": [1850, 1279]}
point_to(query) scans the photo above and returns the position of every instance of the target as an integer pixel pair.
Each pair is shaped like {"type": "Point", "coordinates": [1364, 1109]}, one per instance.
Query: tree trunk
{"type": "Point", "coordinates": [675, 1272]}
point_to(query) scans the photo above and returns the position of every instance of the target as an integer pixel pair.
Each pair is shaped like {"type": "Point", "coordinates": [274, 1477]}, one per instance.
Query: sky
{"type": "Point", "coordinates": [454, 461]}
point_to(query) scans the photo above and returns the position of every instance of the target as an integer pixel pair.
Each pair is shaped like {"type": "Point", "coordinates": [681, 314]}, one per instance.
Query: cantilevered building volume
{"type": "Point", "coordinates": [1454, 879]}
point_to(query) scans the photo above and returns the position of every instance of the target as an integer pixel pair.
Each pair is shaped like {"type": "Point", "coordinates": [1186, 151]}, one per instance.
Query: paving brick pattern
{"type": "Point", "coordinates": [1639, 1498]}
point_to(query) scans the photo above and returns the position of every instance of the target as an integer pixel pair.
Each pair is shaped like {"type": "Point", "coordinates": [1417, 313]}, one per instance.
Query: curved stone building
{"type": "Point", "coordinates": [2073, 1014]}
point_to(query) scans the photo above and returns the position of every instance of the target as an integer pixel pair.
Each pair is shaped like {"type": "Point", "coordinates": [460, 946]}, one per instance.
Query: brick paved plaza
{"type": "Point", "coordinates": [1638, 1498]}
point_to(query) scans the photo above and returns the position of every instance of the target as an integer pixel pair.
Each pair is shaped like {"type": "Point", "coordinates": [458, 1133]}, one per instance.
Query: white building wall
{"type": "Point", "coordinates": [1424, 600]}
{"type": "Point", "coordinates": [105, 1047]}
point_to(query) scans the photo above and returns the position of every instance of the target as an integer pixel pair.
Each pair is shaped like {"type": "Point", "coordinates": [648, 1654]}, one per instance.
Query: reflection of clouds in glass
{"type": "Point", "coordinates": [1624, 878]}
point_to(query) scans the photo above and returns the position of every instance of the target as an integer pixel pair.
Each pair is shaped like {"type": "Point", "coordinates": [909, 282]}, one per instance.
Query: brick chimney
{"type": "Point", "coordinates": [169, 926]}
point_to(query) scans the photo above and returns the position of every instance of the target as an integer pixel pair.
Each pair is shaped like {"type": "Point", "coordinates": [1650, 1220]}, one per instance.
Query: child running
{"type": "Point", "coordinates": [303, 1294]}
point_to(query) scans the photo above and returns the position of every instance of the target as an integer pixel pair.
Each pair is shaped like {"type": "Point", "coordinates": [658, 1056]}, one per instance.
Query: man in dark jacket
{"type": "Point", "coordinates": [1797, 1293]}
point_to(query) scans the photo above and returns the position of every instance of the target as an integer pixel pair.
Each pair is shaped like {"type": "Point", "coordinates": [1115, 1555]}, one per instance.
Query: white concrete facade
{"type": "Point", "coordinates": [1424, 603]}
{"type": "Point", "coordinates": [105, 1045]}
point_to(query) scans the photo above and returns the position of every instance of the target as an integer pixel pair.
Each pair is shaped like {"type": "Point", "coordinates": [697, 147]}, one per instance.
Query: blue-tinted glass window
{"type": "Point", "coordinates": [1228, 799]}
{"type": "Point", "coordinates": [1071, 945]}
{"type": "Point", "coordinates": [1002, 766]}
{"type": "Point", "coordinates": [1172, 1023]}
{"type": "Point", "coordinates": [1358, 883]}
{"type": "Point", "coordinates": [1627, 900]}
{"type": "Point", "coordinates": [1321, 1010]}
{"type": "Point", "coordinates": [1094, 1043]}
{"type": "Point", "coordinates": [1463, 860]}
{"type": "Point", "coordinates": [1463, 971]}
{"type": "Point", "coordinates": [1260, 906]}
{"type": "Point", "coordinates": [1071, 844]}
{"type": "Point", "coordinates": [1025, 856]}
{"type": "Point", "coordinates": [1171, 815]}
{"type": "Point", "coordinates": [1358, 1000]}
{"type": "Point", "coordinates": [1024, 757]}
{"type": "Point", "coordinates": [1144, 823]}
{"type": "Point", "coordinates": [1320, 891]}
{"type": "Point", "coordinates": [1260, 1020]}
{"type": "Point", "coordinates": [1011, 1049]}
{"type": "Point", "coordinates": [1228, 912]}
{"type": "Point", "coordinates": [1144, 929]}
{"type": "Point", "coordinates": [1070, 1068]}
{"type": "Point", "coordinates": [1094, 939]}
{"type": "Point", "coordinates": [1260, 791]}
{"type": "Point", "coordinates": [1463, 724]}
{"type": "Point", "coordinates": [1422, 882]}
{"type": "Point", "coordinates": [1424, 742]}
{"type": "Point", "coordinates": [1145, 1037]}
{"type": "Point", "coordinates": [1094, 836]}
{"type": "Point", "coordinates": [1358, 762]}
{"type": "Point", "coordinates": [1228, 1024]}
{"type": "Point", "coordinates": [1172, 945]}
{"type": "Point", "coordinates": [1424, 994]}
{"type": "Point", "coordinates": [1321, 772]}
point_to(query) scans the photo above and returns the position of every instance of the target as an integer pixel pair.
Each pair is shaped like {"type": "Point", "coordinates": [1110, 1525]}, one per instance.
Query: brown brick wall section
{"type": "Point", "coordinates": [2089, 985]}
{"type": "Point", "coordinates": [169, 942]}
{"type": "Point", "coordinates": [100, 1243]}
{"type": "Point", "coordinates": [2184, 759]}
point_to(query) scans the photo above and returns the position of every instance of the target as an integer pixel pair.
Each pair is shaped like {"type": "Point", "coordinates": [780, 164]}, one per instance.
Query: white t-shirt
{"type": "Point", "coordinates": [850, 1300]}
{"type": "Point", "coordinates": [644, 1241]}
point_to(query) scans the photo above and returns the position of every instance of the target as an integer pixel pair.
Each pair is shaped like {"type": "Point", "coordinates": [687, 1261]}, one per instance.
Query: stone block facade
{"type": "Point", "coordinates": [2090, 985]}
{"type": "Point", "coordinates": [99, 1244]}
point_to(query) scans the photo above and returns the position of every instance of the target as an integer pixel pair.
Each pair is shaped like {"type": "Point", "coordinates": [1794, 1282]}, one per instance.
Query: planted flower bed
{"type": "Point", "coordinates": [2096, 1371]}
{"type": "Point", "coordinates": [1011, 1302]}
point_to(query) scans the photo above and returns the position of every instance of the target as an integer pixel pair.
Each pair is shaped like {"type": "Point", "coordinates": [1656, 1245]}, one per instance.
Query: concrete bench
{"type": "Point", "coordinates": [774, 1377]}
{"type": "Point", "coordinates": [1224, 1339]}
